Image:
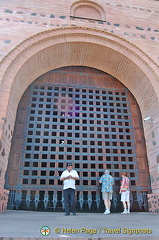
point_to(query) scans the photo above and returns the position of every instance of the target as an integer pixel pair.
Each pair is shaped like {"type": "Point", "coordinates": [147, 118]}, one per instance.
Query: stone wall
{"type": "Point", "coordinates": [153, 202]}
{"type": "Point", "coordinates": [3, 199]}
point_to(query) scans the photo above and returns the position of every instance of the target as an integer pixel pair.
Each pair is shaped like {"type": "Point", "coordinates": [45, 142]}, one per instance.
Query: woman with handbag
{"type": "Point", "coordinates": [125, 193]}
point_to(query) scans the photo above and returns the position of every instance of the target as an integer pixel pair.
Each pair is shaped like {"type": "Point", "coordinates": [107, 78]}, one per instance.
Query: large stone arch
{"type": "Point", "coordinates": [85, 47]}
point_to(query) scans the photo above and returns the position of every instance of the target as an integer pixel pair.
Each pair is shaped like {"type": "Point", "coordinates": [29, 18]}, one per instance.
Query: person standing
{"type": "Point", "coordinates": [107, 189]}
{"type": "Point", "coordinates": [68, 177]}
{"type": "Point", "coordinates": [125, 193]}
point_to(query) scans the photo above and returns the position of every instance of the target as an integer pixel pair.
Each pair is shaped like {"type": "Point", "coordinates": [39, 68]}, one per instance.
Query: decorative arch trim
{"type": "Point", "coordinates": [36, 42]}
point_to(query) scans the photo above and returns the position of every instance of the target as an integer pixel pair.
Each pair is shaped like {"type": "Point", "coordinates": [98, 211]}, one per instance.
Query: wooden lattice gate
{"type": "Point", "coordinates": [79, 115]}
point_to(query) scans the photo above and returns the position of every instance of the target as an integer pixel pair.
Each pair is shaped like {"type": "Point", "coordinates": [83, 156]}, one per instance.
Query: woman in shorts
{"type": "Point", "coordinates": [125, 193]}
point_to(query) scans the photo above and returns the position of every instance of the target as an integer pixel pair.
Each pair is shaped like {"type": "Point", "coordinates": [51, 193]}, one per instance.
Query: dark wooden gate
{"type": "Point", "coordinates": [79, 115]}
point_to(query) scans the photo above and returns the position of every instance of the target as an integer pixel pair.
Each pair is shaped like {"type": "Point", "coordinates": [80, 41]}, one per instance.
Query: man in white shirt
{"type": "Point", "coordinates": [68, 177]}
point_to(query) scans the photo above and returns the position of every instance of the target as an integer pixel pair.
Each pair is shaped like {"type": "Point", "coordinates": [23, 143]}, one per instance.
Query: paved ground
{"type": "Point", "coordinates": [19, 225]}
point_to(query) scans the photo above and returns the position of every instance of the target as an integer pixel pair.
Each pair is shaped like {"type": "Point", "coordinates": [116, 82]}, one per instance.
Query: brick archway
{"type": "Point", "coordinates": [84, 116]}
{"type": "Point", "coordinates": [70, 47]}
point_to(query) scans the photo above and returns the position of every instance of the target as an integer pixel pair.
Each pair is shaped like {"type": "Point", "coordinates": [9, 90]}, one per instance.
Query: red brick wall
{"type": "Point", "coordinates": [136, 21]}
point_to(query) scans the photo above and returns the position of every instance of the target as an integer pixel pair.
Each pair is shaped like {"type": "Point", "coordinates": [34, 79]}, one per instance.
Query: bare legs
{"type": "Point", "coordinates": [107, 203]}
{"type": "Point", "coordinates": [126, 206]}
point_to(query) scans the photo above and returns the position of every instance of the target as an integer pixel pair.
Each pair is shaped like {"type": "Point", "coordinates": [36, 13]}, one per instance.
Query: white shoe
{"type": "Point", "coordinates": [107, 211]}
{"type": "Point", "coordinates": [128, 212]}
{"type": "Point", "coordinates": [125, 212]}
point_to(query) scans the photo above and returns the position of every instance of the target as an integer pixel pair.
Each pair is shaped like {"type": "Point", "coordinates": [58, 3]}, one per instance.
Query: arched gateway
{"type": "Point", "coordinates": [79, 115]}
{"type": "Point", "coordinates": [74, 46]}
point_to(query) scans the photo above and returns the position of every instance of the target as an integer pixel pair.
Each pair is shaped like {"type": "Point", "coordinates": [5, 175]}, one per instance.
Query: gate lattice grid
{"type": "Point", "coordinates": [90, 127]}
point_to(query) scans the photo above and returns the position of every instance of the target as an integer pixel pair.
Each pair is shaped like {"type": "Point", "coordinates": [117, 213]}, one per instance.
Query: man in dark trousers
{"type": "Point", "coordinates": [68, 177]}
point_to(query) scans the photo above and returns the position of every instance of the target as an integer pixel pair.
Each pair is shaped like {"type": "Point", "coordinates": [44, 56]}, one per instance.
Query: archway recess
{"type": "Point", "coordinates": [85, 116]}
{"type": "Point", "coordinates": [83, 47]}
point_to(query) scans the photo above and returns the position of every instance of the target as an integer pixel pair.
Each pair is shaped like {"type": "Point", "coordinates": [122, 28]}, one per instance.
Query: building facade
{"type": "Point", "coordinates": [99, 61]}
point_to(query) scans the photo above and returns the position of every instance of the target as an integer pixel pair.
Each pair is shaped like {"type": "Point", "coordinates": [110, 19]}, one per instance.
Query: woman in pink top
{"type": "Point", "coordinates": [125, 193]}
